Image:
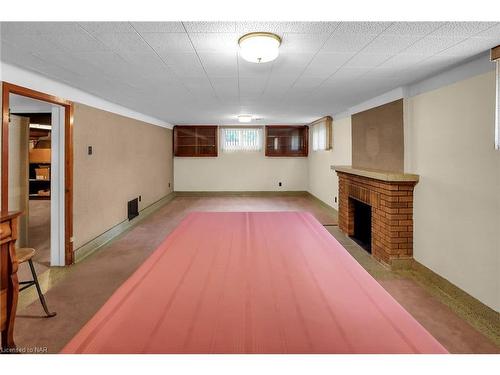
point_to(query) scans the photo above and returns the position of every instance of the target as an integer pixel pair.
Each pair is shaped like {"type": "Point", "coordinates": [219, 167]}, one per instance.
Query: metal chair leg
{"type": "Point", "coordinates": [39, 290]}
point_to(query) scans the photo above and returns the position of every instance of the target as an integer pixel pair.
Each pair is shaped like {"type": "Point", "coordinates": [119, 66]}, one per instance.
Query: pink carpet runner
{"type": "Point", "coordinates": [252, 282]}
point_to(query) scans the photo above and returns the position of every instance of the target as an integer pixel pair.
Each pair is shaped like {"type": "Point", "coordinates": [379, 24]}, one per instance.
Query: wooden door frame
{"type": "Point", "coordinates": [9, 88]}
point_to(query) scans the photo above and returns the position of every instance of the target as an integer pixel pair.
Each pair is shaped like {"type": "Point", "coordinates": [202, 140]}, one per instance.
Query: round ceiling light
{"type": "Point", "coordinates": [245, 118]}
{"type": "Point", "coordinates": [259, 47]}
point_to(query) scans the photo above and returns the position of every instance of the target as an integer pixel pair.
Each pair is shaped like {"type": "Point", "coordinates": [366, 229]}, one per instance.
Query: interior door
{"type": "Point", "coordinates": [19, 172]}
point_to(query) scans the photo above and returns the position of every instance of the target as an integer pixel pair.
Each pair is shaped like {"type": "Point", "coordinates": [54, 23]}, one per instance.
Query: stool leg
{"type": "Point", "coordinates": [39, 290]}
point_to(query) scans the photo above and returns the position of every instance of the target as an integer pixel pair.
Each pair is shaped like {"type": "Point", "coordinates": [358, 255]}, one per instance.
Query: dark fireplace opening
{"type": "Point", "coordinates": [362, 225]}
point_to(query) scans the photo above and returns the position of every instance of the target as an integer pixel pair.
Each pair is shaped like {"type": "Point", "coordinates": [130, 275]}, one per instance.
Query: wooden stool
{"type": "Point", "coordinates": [25, 254]}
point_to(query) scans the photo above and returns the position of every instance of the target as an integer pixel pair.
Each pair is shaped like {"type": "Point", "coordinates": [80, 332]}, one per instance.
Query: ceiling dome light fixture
{"type": "Point", "coordinates": [245, 118]}
{"type": "Point", "coordinates": [259, 47]}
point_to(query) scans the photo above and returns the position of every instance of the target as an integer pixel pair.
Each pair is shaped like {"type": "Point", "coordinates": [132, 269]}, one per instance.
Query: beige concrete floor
{"type": "Point", "coordinates": [78, 291]}
{"type": "Point", "coordinates": [38, 238]}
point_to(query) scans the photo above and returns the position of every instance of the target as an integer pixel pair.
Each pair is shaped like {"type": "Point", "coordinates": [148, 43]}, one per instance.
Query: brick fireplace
{"type": "Point", "coordinates": [390, 200]}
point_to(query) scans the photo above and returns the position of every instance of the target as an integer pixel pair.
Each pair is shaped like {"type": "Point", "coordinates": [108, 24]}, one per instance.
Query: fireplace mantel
{"type": "Point", "coordinates": [377, 174]}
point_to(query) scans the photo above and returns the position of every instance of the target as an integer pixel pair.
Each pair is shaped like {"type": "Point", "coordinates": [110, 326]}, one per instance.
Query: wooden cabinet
{"type": "Point", "coordinates": [285, 140]}
{"type": "Point", "coordinates": [195, 141]}
{"type": "Point", "coordinates": [9, 285]}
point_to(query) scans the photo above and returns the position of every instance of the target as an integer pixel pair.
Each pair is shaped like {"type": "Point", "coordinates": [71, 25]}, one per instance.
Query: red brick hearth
{"type": "Point", "coordinates": [390, 196]}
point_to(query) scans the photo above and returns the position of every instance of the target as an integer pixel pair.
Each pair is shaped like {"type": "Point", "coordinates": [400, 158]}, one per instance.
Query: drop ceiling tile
{"type": "Point", "coordinates": [306, 83]}
{"type": "Point", "coordinates": [390, 43]}
{"type": "Point", "coordinates": [226, 88]}
{"type": "Point", "coordinates": [300, 42]}
{"type": "Point", "coordinates": [252, 86]}
{"type": "Point", "coordinates": [384, 73]}
{"type": "Point", "coordinates": [251, 70]}
{"type": "Point", "coordinates": [158, 27]}
{"type": "Point", "coordinates": [280, 81]}
{"type": "Point", "coordinates": [367, 60]}
{"type": "Point", "coordinates": [30, 44]}
{"type": "Point", "coordinates": [221, 64]}
{"type": "Point", "coordinates": [362, 27]}
{"type": "Point", "coordinates": [348, 42]}
{"type": "Point", "coordinates": [215, 42]}
{"type": "Point", "coordinates": [199, 86]}
{"type": "Point", "coordinates": [471, 47]}
{"type": "Point", "coordinates": [284, 27]}
{"type": "Point", "coordinates": [109, 63]}
{"type": "Point", "coordinates": [314, 27]}
{"type": "Point", "coordinates": [337, 87]}
{"type": "Point", "coordinates": [107, 27]}
{"type": "Point", "coordinates": [184, 64]}
{"type": "Point", "coordinates": [431, 45]}
{"type": "Point", "coordinates": [346, 73]}
{"type": "Point", "coordinates": [81, 42]}
{"type": "Point", "coordinates": [13, 55]}
{"type": "Point", "coordinates": [168, 42]}
{"type": "Point", "coordinates": [324, 64]}
{"type": "Point", "coordinates": [492, 32]}
{"type": "Point", "coordinates": [277, 87]}
{"type": "Point", "coordinates": [413, 28]}
{"type": "Point", "coordinates": [146, 62]}
{"type": "Point", "coordinates": [40, 28]}
{"type": "Point", "coordinates": [403, 61]}
{"type": "Point", "coordinates": [123, 42]}
{"type": "Point", "coordinates": [291, 63]}
{"type": "Point", "coordinates": [69, 62]}
{"type": "Point", "coordinates": [210, 27]}
{"type": "Point", "coordinates": [462, 29]}
{"type": "Point", "coordinates": [167, 90]}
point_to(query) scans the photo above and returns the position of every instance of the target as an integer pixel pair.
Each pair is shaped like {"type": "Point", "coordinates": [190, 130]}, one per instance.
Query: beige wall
{"type": "Point", "coordinates": [457, 201]}
{"type": "Point", "coordinates": [130, 158]}
{"type": "Point", "coordinates": [240, 171]}
{"type": "Point", "coordinates": [323, 182]}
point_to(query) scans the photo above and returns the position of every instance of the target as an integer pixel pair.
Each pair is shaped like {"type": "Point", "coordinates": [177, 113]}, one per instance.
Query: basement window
{"type": "Point", "coordinates": [322, 134]}
{"type": "Point", "coordinates": [241, 139]}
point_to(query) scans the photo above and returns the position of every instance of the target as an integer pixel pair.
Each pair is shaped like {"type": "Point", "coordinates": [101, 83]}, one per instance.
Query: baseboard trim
{"type": "Point", "coordinates": [93, 245]}
{"type": "Point", "coordinates": [479, 315]}
{"type": "Point", "coordinates": [240, 193]}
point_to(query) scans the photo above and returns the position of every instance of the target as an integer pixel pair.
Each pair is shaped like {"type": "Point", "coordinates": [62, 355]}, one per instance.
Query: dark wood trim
{"type": "Point", "coordinates": [5, 150]}
{"type": "Point", "coordinates": [68, 185]}
{"type": "Point", "coordinates": [9, 88]}
{"type": "Point", "coordinates": [495, 53]}
{"type": "Point", "coordinates": [33, 94]}
{"type": "Point", "coordinates": [304, 151]}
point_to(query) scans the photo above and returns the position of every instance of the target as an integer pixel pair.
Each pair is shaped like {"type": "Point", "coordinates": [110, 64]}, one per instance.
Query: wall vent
{"type": "Point", "coordinates": [133, 208]}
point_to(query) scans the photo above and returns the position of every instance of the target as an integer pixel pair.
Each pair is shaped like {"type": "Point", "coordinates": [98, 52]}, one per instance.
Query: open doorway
{"type": "Point", "coordinates": [34, 181]}
{"type": "Point", "coordinates": [39, 189]}
{"type": "Point", "coordinates": [37, 172]}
